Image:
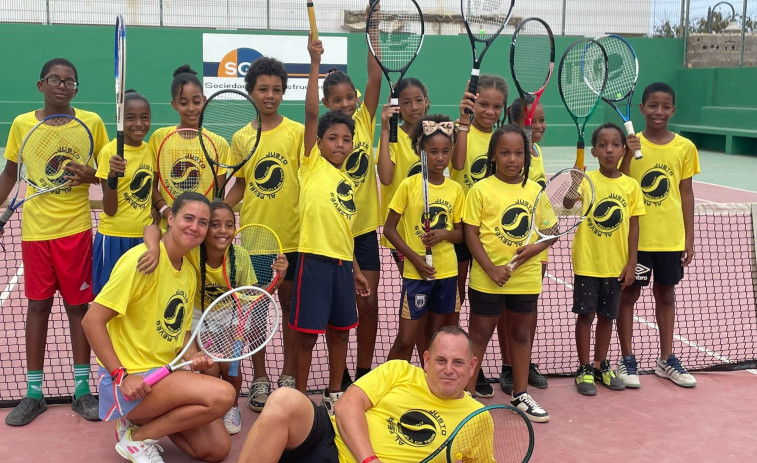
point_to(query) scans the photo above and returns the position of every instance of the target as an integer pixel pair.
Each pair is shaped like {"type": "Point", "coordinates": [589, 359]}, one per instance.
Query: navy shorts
{"type": "Point", "coordinates": [324, 295]}
{"type": "Point", "coordinates": [666, 266]}
{"type": "Point", "coordinates": [367, 251]}
{"type": "Point", "coordinates": [492, 305]}
{"type": "Point", "coordinates": [105, 253]}
{"type": "Point", "coordinates": [462, 252]}
{"type": "Point", "coordinates": [593, 294]}
{"type": "Point", "coordinates": [319, 446]}
{"type": "Point", "coordinates": [292, 261]}
{"type": "Point", "coordinates": [438, 296]}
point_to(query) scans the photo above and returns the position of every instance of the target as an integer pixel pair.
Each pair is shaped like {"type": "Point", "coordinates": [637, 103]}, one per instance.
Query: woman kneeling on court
{"type": "Point", "coordinates": [139, 323]}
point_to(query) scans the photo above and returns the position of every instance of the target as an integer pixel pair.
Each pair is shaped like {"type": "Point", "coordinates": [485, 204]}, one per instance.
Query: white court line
{"type": "Point", "coordinates": [722, 186]}
{"type": "Point", "coordinates": [11, 284]}
{"type": "Point", "coordinates": [655, 327]}
{"type": "Point", "coordinates": [701, 200]}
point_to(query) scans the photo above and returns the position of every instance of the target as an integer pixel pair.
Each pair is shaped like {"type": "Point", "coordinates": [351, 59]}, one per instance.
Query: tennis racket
{"type": "Point", "coordinates": [561, 205]}
{"type": "Point", "coordinates": [233, 116]}
{"type": "Point", "coordinates": [120, 73]}
{"type": "Point", "coordinates": [311, 18]}
{"type": "Point", "coordinates": [233, 327]}
{"type": "Point", "coordinates": [182, 165]}
{"type": "Point", "coordinates": [426, 207]}
{"type": "Point", "coordinates": [532, 60]}
{"type": "Point", "coordinates": [52, 144]}
{"type": "Point", "coordinates": [498, 433]}
{"type": "Point", "coordinates": [484, 20]}
{"type": "Point", "coordinates": [582, 77]}
{"type": "Point", "coordinates": [394, 43]}
{"type": "Point", "coordinates": [622, 74]}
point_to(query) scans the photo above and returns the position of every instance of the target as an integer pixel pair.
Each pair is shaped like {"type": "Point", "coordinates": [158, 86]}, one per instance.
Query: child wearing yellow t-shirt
{"type": "Point", "coordinates": [427, 291]}
{"type": "Point", "coordinates": [604, 257]}
{"type": "Point", "coordinates": [666, 236]}
{"type": "Point", "coordinates": [325, 283]}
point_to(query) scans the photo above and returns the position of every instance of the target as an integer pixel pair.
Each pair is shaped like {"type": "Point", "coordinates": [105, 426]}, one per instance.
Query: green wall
{"type": "Point", "coordinates": [153, 53]}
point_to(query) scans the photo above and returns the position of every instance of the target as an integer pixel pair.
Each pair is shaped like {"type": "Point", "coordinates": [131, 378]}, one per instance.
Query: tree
{"type": "Point", "coordinates": [699, 26]}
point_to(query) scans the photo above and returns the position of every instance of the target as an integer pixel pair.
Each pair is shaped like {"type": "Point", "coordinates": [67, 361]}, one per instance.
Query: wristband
{"type": "Point", "coordinates": [463, 128]}
{"type": "Point", "coordinates": [118, 375]}
{"type": "Point", "coordinates": [162, 210]}
{"type": "Point", "coordinates": [371, 458]}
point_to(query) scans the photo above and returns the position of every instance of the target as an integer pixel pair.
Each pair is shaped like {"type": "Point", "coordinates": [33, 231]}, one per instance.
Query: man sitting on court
{"type": "Point", "coordinates": [397, 412]}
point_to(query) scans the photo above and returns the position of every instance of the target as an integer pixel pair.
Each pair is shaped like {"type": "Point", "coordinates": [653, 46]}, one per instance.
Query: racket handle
{"type": "Point", "coordinates": [393, 122]}
{"type": "Point", "coordinates": [120, 150]}
{"type": "Point", "coordinates": [429, 259]}
{"type": "Point", "coordinates": [473, 86]}
{"type": "Point", "coordinates": [529, 130]}
{"type": "Point", "coordinates": [311, 18]}
{"type": "Point", "coordinates": [153, 377]}
{"type": "Point", "coordinates": [580, 154]}
{"type": "Point", "coordinates": [5, 217]}
{"type": "Point", "coordinates": [629, 130]}
{"type": "Point", "coordinates": [236, 352]}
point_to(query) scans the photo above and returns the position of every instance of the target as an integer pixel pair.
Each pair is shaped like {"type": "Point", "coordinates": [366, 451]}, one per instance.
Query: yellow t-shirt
{"type": "Point", "coordinates": [600, 248]}
{"type": "Point", "coordinates": [66, 211]}
{"type": "Point", "coordinates": [536, 171]}
{"type": "Point", "coordinates": [502, 211]}
{"type": "Point", "coordinates": [272, 189]}
{"type": "Point", "coordinates": [407, 422]}
{"type": "Point", "coordinates": [134, 190]}
{"type": "Point", "coordinates": [446, 208]}
{"type": "Point", "coordinates": [154, 310]}
{"type": "Point", "coordinates": [327, 209]}
{"type": "Point", "coordinates": [659, 173]}
{"type": "Point", "coordinates": [360, 167]}
{"type": "Point", "coordinates": [475, 159]}
{"type": "Point", "coordinates": [406, 164]}
{"type": "Point", "coordinates": [215, 280]}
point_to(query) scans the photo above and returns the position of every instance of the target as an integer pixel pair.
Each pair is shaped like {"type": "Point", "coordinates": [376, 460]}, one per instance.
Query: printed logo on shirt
{"type": "Point", "coordinates": [515, 223]}
{"type": "Point", "coordinates": [607, 215]}
{"type": "Point", "coordinates": [268, 175]}
{"type": "Point", "coordinates": [417, 428]}
{"type": "Point", "coordinates": [53, 173]}
{"type": "Point", "coordinates": [170, 326]}
{"type": "Point", "coordinates": [414, 169]}
{"type": "Point", "coordinates": [186, 174]}
{"type": "Point", "coordinates": [140, 188]}
{"type": "Point", "coordinates": [477, 170]}
{"type": "Point", "coordinates": [344, 199]}
{"type": "Point", "coordinates": [357, 163]}
{"type": "Point", "coordinates": [439, 217]}
{"type": "Point", "coordinates": [655, 184]}
{"type": "Point", "coordinates": [212, 292]}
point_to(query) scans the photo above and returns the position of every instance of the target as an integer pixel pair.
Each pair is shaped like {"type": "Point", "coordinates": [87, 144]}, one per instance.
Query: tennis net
{"type": "Point", "coordinates": [716, 322]}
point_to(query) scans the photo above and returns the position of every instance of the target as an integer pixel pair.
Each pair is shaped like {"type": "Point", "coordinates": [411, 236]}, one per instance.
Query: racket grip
{"type": "Point", "coordinates": [473, 86]}
{"type": "Point", "coordinates": [429, 258]}
{"type": "Point", "coordinates": [5, 217]}
{"type": "Point", "coordinates": [236, 352]}
{"type": "Point", "coordinates": [311, 18]}
{"type": "Point", "coordinates": [580, 154]}
{"type": "Point", "coordinates": [393, 122]}
{"type": "Point", "coordinates": [153, 377]}
{"type": "Point", "coordinates": [629, 130]}
{"type": "Point", "coordinates": [120, 151]}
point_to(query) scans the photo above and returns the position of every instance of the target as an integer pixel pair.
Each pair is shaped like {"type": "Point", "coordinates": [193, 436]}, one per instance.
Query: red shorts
{"type": "Point", "coordinates": [62, 264]}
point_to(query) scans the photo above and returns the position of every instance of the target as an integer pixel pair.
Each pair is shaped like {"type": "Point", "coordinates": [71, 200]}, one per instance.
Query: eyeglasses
{"type": "Point", "coordinates": [55, 82]}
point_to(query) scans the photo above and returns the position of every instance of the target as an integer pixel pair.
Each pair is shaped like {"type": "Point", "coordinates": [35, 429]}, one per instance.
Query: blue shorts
{"type": "Point", "coordinates": [105, 253]}
{"type": "Point", "coordinates": [113, 405]}
{"type": "Point", "coordinates": [367, 251]}
{"type": "Point", "coordinates": [324, 295]}
{"type": "Point", "coordinates": [438, 296]}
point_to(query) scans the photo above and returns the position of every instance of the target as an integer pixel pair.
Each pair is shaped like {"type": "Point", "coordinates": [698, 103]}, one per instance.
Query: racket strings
{"type": "Point", "coordinates": [49, 148]}
{"type": "Point", "coordinates": [234, 118]}
{"type": "Point", "coordinates": [583, 73]}
{"type": "Point", "coordinates": [260, 248]}
{"type": "Point", "coordinates": [400, 33]}
{"type": "Point", "coordinates": [499, 433]}
{"type": "Point", "coordinates": [622, 68]}
{"type": "Point", "coordinates": [182, 165]}
{"type": "Point", "coordinates": [485, 17]}
{"type": "Point", "coordinates": [533, 56]}
{"type": "Point", "coordinates": [562, 204]}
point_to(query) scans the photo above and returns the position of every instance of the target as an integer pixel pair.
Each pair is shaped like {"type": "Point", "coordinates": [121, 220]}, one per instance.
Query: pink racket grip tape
{"type": "Point", "coordinates": [157, 375]}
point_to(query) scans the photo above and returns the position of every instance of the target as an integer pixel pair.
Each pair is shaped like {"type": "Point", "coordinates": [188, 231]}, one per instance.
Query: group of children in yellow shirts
{"type": "Point", "coordinates": [326, 213]}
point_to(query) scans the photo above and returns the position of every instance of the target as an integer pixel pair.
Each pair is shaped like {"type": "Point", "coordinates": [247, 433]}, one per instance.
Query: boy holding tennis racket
{"type": "Point", "coordinates": [272, 198]}
{"type": "Point", "coordinates": [604, 257]}
{"type": "Point", "coordinates": [55, 227]}
{"type": "Point", "coordinates": [666, 236]}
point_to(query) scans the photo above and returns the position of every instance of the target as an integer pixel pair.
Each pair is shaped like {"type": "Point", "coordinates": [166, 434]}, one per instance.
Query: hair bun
{"type": "Point", "coordinates": [184, 69]}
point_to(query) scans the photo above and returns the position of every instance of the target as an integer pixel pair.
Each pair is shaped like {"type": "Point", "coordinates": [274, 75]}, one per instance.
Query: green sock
{"type": "Point", "coordinates": [81, 380]}
{"type": "Point", "coordinates": [34, 384]}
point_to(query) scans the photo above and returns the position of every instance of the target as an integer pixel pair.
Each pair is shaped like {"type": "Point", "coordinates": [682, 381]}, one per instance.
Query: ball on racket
{"type": "Point", "coordinates": [619, 96]}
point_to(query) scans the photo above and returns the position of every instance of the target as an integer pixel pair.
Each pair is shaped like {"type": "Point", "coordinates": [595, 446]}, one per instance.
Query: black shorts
{"type": "Point", "coordinates": [292, 259]}
{"type": "Point", "coordinates": [491, 305]}
{"type": "Point", "coordinates": [666, 266]}
{"type": "Point", "coordinates": [319, 446]}
{"type": "Point", "coordinates": [462, 252]}
{"type": "Point", "coordinates": [593, 294]}
{"type": "Point", "coordinates": [367, 251]}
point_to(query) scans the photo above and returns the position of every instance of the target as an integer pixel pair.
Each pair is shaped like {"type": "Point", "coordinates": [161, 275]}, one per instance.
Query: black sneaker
{"type": "Point", "coordinates": [525, 403]}
{"type": "Point", "coordinates": [585, 380]}
{"type": "Point", "coordinates": [535, 378]}
{"type": "Point", "coordinates": [87, 406]}
{"type": "Point", "coordinates": [483, 388]}
{"type": "Point", "coordinates": [25, 412]}
{"type": "Point", "coordinates": [506, 379]}
{"type": "Point", "coordinates": [346, 379]}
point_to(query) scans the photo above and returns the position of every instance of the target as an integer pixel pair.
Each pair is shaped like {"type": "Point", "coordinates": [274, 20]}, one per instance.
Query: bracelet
{"type": "Point", "coordinates": [155, 204]}
{"type": "Point", "coordinates": [371, 458]}
{"type": "Point", "coordinates": [162, 209]}
{"type": "Point", "coordinates": [463, 128]}
{"type": "Point", "coordinates": [118, 375]}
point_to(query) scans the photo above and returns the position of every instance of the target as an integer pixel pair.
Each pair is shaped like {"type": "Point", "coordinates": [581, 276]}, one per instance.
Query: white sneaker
{"type": "Point", "coordinates": [674, 371]}
{"type": "Point", "coordinates": [525, 403]}
{"type": "Point", "coordinates": [329, 400]}
{"type": "Point", "coordinates": [628, 372]}
{"type": "Point", "coordinates": [122, 424]}
{"type": "Point", "coordinates": [260, 389]}
{"type": "Point", "coordinates": [233, 420]}
{"type": "Point", "coordinates": [140, 451]}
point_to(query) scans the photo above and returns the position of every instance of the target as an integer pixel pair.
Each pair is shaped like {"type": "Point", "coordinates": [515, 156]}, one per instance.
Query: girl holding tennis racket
{"type": "Point", "coordinates": [496, 227]}
{"type": "Point", "coordinates": [340, 94]}
{"type": "Point", "coordinates": [398, 161]}
{"type": "Point", "coordinates": [138, 323]}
